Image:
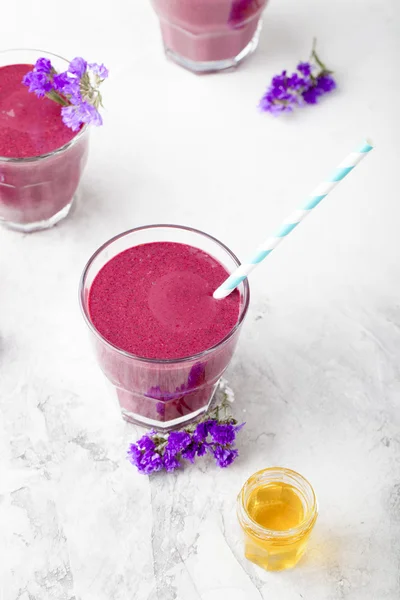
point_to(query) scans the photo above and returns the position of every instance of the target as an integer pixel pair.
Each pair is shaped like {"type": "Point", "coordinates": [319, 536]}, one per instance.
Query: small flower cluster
{"type": "Point", "coordinates": [311, 81]}
{"type": "Point", "coordinates": [76, 89]}
{"type": "Point", "coordinates": [215, 435]}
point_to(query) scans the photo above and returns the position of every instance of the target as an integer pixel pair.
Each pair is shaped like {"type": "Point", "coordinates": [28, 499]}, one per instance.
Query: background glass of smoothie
{"type": "Point", "coordinates": [209, 35]}
{"type": "Point", "coordinates": [41, 160]}
{"type": "Point", "coordinates": [159, 336]}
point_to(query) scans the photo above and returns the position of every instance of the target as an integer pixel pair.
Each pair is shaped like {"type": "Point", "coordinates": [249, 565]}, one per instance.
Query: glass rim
{"type": "Point", "coordinates": [263, 532]}
{"type": "Point", "coordinates": [162, 361]}
{"type": "Point", "coordinates": [72, 142]}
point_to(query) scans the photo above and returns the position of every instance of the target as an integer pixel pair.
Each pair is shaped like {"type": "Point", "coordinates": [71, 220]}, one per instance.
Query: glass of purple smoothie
{"type": "Point", "coordinates": [205, 36]}
{"type": "Point", "coordinates": [159, 336]}
{"type": "Point", "coordinates": [41, 160]}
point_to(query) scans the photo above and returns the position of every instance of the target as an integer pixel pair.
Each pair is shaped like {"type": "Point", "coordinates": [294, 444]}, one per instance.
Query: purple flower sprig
{"type": "Point", "coordinates": [286, 92]}
{"type": "Point", "coordinates": [76, 89]}
{"type": "Point", "coordinates": [215, 434]}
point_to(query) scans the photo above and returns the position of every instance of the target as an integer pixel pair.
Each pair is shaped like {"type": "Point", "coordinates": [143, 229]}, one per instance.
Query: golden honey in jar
{"type": "Point", "coordinates": [277, 510]}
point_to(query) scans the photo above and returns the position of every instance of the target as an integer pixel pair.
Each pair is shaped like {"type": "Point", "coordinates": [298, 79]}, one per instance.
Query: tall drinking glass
{"type": "Point", "coordinates": [36, 192]}
{"type": "Point", "coordinates": [159, 393]}
{"type": "Point", "coordinates": [209, 35]}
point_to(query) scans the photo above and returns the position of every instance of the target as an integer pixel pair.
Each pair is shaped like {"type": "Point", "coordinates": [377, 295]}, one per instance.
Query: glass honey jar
{"type": "Point", "coordinates": [277, 510]}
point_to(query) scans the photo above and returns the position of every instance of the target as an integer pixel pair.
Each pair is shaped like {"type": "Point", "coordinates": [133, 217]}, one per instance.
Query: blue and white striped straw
{"type": "Point", "coordinates": [292, 221]}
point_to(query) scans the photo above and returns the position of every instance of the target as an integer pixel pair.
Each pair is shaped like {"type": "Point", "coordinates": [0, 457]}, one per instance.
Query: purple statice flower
{"type": "Point", "coordinates": [213, 435]}
{"type": "Point", "coordinates": [99, 70]}
{"type": "Point", "coordinates": [223, 433]}
{"type": "Point", "coordinates": [304, 68]}
{"type": "Point", "coordinates": [76, 89]}
{"type": "Point", "coordinates": [311, 95]}
{"type": "Point", "coordinates": [77, 67]}
{"type": "Point", "coordinates": [69, 87]}
{"type": "Point", "coordinates": [144, 457]}
{"type": "Point", "coordinates": [43, 65]}
{"type": "Point", "coordinates": [194, 449]}
{"type": "Point", "coordinates": [225, 456]}
{"type": "Point", "coordinates": [37, 83]}
{"type": "Point", "coordinates": [146, 443]}
{"type": "Point", "coordinates": [170, 461]}
{"type": "Point", "coordinates": [202, 430]}
{"type": "Point", "coordinates": [77, 114]}
{"type": "Point", "coordinates": [326, 83]}
{"type": "Point", "coordinates": [280, 96]}
{"type": "Point", "coordinates": [178, 441]}
{"type": "Point", "coordinates": [286, 92]}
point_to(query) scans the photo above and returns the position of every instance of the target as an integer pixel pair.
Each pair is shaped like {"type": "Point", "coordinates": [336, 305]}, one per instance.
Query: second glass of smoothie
{"type": "Point", "coordinates": [159, 335]}
{"type": "Point", "coordinates": [209, 35]}
{"type": "Point", "coordinates": [41, 159]}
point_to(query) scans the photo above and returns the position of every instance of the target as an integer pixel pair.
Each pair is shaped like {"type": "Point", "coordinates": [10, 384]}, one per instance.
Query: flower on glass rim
{"type": "Point", "coordinates": [76, 89]}
{"type": "Point", "coordinates": [38, 83]}
{"type": "Point", "coordinates": [286, 92]}
{"type": "Point", "coordinates": [43, 65]}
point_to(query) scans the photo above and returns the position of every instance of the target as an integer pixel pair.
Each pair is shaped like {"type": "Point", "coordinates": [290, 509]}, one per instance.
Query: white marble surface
{"type": "Point", "coordinates": [317, 372]}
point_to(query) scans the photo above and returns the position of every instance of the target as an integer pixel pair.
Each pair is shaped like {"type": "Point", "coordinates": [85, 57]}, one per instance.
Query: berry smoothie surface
{"type": "Point", "coordinates": [155, 301]}
{"type": "Point", "coordinates": [29, 126]}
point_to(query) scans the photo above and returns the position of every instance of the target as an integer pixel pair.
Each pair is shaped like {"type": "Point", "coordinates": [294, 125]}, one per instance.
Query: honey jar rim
{"type": "Point", "coordinates": [245, 518]}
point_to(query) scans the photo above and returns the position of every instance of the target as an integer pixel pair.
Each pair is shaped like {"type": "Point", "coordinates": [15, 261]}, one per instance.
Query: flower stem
{"type": "Point", "coordinates": [317, 59]}
{"type": "Point", "coordinates": [56, 97]}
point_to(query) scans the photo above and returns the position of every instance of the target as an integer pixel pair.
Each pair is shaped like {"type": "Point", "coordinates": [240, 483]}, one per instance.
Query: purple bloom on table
{"type": "Point", "coordinates": [202, 449]}
{"type": "Point", "coordinates": [311, 95]}
{"type": "Point", "coordinates": [134, 454]}
{"type": "Point", "coordinates": [279, 81]}
{"type": "Point", "coordinates": [195, 449]}
{"type": "Point", "coordinates": [191, 451]}
{"type": "Point", "coordinates": [202, 430]}
{"type": "Point", "coordinates": [304, 68]}
{"type": "Point", "coordinates": [223, 433]}
{"type": "Point", "coordinates": [99, 70]}
{"type": "Point", "coordinates": [146, 461]}
{"type": "Point", "coordinates": [277, 104]}
{"type": "Point", "coordinates": [177, 442]}
{"type": "Point", "coordinates": [326, 83]}
{"type": "Point", "coordinates": [151, 462]}
{"type": "Point", "coordinates": [294, 82]}
{"type": "Point", "coordinates": [225, 456]}
{"type": "Point", "coordinates": [303, 87]}
{"type": "Point", "coordinates": [37, 83]}
{"type": "Point", "coordinates": [170, 461]}
{"type": "Point", "coordinates": [77, 66]}
{"type": "Point", "coordinates": [146, 443]}
{"type": "Point", "coordinates": [43, 65]}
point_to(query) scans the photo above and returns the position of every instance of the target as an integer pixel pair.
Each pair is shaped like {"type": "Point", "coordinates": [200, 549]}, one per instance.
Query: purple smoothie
{"type": "Point", "coordinates": [41, 160]}
{"type": "Point", "coordinates": [155, 301]}
{"type": "Point", "coordinates": [160, 337]}
{"type": "Point", "coordinates": [208, 31]}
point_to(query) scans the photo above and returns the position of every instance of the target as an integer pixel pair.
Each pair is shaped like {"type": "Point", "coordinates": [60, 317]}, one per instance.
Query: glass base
{"type": "Point", "coordinates": [159, 425]}
{"type": "Point", "coordinates": [40, 225]}
{"type": "Point", "coordinates": [221, 389]}
{"type": "Point", "coordinates": [214, 66]}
